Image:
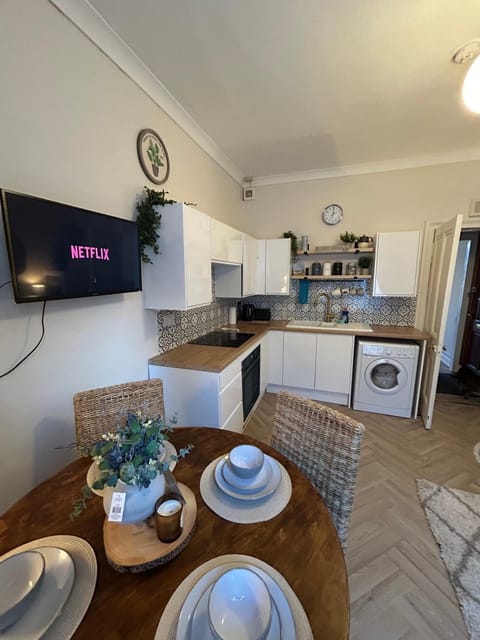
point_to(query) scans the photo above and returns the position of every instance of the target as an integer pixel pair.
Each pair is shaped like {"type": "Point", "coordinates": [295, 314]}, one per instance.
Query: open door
{"type": "Point", "coordinates": [442, 266]}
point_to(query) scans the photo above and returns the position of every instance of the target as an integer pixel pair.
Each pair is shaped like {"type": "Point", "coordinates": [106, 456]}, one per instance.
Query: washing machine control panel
{"type": "Point", "coordinates": [390, 351]}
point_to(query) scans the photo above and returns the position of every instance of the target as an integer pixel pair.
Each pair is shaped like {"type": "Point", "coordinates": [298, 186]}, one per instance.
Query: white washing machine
{"type": "Point", "coordinates": [385, 375]}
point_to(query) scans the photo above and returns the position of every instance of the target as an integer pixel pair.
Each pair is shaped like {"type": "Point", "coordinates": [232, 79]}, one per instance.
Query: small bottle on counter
{"type": "Point", "coordinates": [345, 317]}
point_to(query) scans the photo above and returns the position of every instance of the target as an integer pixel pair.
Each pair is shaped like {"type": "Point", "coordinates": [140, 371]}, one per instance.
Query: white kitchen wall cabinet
{"type": "Point", "coordinates": [237, 280]}
{"type": "Point", "coordinates": [180, 276]}
{"type": "Point", "coordinates": [334, 363]}
{"type": "Point", "coordinates": [272, 272]}
{"type": "Point", "coordinates": [249, 265]}
{"type": "Point", "coordinates": [397, 259]}
{"type": "Point", "coordinates": [299, 351]}
{"type": "Point", "coordinates": [226, 243]}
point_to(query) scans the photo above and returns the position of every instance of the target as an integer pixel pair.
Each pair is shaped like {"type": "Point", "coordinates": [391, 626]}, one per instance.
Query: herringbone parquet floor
{"type": "Point", "coordinates": [399, 588]}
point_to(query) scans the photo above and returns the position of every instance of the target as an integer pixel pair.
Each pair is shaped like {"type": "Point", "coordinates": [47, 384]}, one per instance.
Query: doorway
{"type": "Point", "coordinates": [460, 360]}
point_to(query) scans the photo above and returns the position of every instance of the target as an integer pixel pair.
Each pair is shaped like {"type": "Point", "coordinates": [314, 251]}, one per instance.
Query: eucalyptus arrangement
{"type": "Point", "coordinates": [149, 220]}
{"type": "Point", "coordinates": [133, 453]}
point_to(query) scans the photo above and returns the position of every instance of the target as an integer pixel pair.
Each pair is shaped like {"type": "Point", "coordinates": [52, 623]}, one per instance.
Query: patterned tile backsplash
{"type": "Point", "coordinates": [178, 327]}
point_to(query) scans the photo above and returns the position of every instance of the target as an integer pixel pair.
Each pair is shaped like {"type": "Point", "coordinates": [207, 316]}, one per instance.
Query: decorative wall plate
{"type": "Point", "coordinates": [153, 156]}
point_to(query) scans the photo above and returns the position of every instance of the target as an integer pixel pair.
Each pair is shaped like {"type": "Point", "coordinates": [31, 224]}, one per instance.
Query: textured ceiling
{"type": "Point", "coordinates": [283, 86]}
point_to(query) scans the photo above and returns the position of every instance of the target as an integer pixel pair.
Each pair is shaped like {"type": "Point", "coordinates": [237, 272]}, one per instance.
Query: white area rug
{"type": "Point", "coordinates": [454, 518]}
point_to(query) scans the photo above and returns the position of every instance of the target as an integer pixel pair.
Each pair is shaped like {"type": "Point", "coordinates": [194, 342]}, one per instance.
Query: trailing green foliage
{"type": "Point", "coordinates": [149, 220]}
{"type": "Point", "coordinates": [293, 241]}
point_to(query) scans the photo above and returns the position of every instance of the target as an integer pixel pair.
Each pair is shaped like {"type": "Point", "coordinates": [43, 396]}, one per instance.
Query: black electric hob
{"type": "Point", "coordinates": [223, 339]}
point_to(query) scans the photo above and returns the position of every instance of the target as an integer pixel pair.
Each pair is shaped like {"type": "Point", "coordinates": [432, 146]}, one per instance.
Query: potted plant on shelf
{"type": "Point", "coordinates": [149, 220]}
{"type": "Point", "coordinates": [364, 264]}
{"type": "Point", "coordinates": [348, 238]}
{"type": "Point", "coordinates": [130, 460]}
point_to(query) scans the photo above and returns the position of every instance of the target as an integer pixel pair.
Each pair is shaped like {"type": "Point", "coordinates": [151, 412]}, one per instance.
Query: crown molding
{"type": "Point", "coordinates": [87, 19]}
{"type": "Point", "coordinates": [412, 162]}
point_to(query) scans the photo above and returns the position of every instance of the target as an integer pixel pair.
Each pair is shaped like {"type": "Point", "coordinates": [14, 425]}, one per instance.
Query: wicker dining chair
{"type": "Point", "coordinates": [100, 410]}
{"type": "Point", "coordinates": [325, 445]}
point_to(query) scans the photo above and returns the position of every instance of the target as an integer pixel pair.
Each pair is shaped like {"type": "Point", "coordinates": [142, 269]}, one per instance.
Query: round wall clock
{"type": "Point", "coordinates": [153, 156]}
{"type": "Point", "coordinates": [332, 214]}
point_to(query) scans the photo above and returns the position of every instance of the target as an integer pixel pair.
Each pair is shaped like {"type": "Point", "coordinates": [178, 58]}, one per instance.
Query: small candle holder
{"type": "Point", "coordinates": [168, 517]}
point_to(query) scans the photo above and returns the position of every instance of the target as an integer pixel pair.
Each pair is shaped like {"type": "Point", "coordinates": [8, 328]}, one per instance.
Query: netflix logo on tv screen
{"type": "Point", "coordinates": [59, 251]}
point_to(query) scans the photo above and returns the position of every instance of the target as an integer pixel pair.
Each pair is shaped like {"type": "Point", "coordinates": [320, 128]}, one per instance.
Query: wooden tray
{"type": "Point", "coordinates": [135, 547]}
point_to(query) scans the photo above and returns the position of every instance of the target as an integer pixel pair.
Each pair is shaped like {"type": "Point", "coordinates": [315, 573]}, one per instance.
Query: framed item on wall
{"type": "Point", "coordinates": [153, 156]}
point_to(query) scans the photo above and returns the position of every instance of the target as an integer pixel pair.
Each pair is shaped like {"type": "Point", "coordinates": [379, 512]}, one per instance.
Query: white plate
{"type": "Point", "coordinates": [247, 485]}
{"type": "Point", "coordinates": [85, 564]}
{"type": "Point", "coordinates": [236, 493]}
{"type": "Point", "coordinates": [193, 617]}
{"type": "Point", "coordinates": [48, 602]}
{"type": "Point", "coordinates": [94, 472]}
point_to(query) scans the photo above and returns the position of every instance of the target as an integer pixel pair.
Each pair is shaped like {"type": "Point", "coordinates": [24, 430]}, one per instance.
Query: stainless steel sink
{"type": "Point", "coordinates": [331, 326]}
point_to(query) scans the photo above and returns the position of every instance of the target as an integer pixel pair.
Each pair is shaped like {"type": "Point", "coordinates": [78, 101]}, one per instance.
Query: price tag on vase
{"type": "Point", "coordinates": [117, 506]}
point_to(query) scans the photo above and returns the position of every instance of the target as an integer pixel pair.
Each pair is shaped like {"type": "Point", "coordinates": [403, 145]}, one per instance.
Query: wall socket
{"type": "Point", "coordinates": [345, 291]}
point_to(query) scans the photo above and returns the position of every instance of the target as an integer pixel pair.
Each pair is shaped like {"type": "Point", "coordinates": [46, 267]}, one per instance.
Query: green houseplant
{"type": "Point", "coordinates": [348, 237]}
{"type": "Point", "coordinates": [149, 220]}
{"type": "Point", "coordinates": [132, 456]}
{"type": "Point", "coordinates": [364, 263]}
{"type": "Point", "coordinates": [293, 242]}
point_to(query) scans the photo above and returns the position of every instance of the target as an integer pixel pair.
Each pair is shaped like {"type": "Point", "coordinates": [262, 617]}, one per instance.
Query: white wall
{"type": "Point", "coordinates": [68, 125]}
{"type": "Point", "coordinates": [390, 201]}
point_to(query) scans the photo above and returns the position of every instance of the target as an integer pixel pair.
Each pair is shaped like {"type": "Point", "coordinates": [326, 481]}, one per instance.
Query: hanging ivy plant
{"type": "Point", "coordinates": [149, 220]}
{"type": "Point", "coordinates": [293, 242]}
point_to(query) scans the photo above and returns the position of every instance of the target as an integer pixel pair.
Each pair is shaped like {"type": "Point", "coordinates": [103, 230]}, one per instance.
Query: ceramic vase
{"type": "Point", "coordinates": [139, 501]}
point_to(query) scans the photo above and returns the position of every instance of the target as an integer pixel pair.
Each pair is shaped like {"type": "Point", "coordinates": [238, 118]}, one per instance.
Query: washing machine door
{"type": "Point", "coordinates": [385, 376]}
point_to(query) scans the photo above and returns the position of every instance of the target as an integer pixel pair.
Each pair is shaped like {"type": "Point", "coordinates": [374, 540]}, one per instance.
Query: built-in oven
{"type": "Point", "coordinates": [250, 381]}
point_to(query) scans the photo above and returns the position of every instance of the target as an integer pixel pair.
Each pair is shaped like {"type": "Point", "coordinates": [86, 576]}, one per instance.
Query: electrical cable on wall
{"type": "Point", "coordinates": [34, 348]}
{"type": "Point", "coordinates": [5, 283]}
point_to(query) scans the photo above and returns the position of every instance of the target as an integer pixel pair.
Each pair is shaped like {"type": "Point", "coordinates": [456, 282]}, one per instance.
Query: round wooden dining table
{"type": "Point", "coordinates": [300, 542]}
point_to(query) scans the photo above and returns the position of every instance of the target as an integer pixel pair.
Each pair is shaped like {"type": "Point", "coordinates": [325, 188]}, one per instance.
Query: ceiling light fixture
{"type": "Point", "coordinates": [471, 83]}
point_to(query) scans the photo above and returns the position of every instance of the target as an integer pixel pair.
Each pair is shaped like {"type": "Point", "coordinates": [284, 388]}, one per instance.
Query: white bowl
{"type": "Point", "coordinates": [257, 483]}
{"type": "Point", "coordinates": [245, 460]}
{"type": "Point", "coordinates": [20, 576]}
{"type": "Point", "coordinates": [239, 607]}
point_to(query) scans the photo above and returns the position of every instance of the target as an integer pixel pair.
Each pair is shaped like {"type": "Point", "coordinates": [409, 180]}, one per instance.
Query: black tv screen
{"type": "Point", "coordinates": [58, 251]}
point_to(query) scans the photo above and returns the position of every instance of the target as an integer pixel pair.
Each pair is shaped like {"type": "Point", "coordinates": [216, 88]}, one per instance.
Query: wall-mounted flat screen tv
{"type": "Point", "coordinates": [58, 251]}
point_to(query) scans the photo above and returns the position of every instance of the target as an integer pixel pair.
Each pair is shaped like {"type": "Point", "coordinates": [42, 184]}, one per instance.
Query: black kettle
{"type": "Point", "coordinates": [248, 312]}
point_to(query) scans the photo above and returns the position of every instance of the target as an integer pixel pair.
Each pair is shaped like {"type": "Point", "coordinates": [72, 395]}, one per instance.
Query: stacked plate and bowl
{"type": "Point", "coordinates": [236, 601]}
{"type": "Point", "coordinates": [246, 473]}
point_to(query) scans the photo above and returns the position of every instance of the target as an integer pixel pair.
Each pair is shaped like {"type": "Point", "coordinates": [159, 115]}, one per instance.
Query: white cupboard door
{"type": "Point", "coordinates": [277, 267]}
{"type": "Point", "coordinates": [299, 351]}
{"type": "Point", "coordinates": [274, 357]}
{"type": "Point", "coordinates": [334, 363]}
{"type": "Point", "coordinates": [226, 242]}
{"type": "Point", "coordinates": [198, 272]}
{"type": "Point", "coordinates": [396, 263]}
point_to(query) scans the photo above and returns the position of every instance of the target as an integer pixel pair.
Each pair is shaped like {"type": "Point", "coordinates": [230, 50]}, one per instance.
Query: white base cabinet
{"type": "Point", "coordinates": [181, 276]}
{"type": "Point", "coordinates": [318, 366]}
{"type": "Point", "coordinates": [204, 398]}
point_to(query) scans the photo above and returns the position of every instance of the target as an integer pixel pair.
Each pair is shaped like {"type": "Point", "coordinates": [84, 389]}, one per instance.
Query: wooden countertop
{"type": "Point", "coordinates": [215, 359]}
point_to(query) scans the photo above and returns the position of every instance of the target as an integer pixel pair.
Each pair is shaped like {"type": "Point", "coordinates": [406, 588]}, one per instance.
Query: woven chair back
{"type": "Point", "coordinates": [100, 410]}
{"type": "Point", "coordinates": [325, 445]}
